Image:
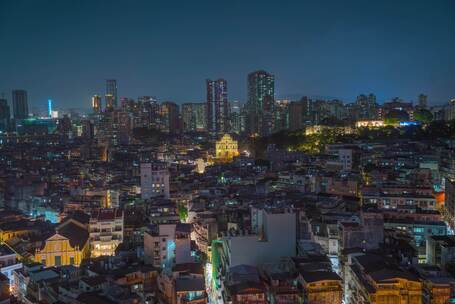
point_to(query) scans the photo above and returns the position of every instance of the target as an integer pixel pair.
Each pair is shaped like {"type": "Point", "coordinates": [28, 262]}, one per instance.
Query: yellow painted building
{"type": "Point", "coordinates": [439, 292]}
{"type": "Point", "coordinates": [322, 287]}
{"type": "Point", "coordinates": [68, 246]}
{"type": "Point", "coordinates": [397, 291]}
{"type": "Point", "coordinates": [373, 279]}
{"type": "Point", "coordinates": [16, 226]}
{"type": "Point", "coordinates": [8, 234]}
{"type": "Point", "coordinates": [226, 149]}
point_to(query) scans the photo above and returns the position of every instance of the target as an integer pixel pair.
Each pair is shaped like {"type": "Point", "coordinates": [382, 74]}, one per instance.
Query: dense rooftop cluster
{"type": "Point", "coordinates": [143, 203]}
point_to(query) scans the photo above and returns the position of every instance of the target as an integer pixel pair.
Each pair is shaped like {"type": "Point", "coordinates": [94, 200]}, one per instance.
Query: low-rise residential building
{"type": "Point", "coordinates": [375, 279]}
{"type": "Point", "coordinates": [281, 281]}
{"type": "Point", "coordinates": [4, 289]}
{"type": "Point", "coordinates": [397, 201]}
{"type": "Point", "coordinates": [166, 245]}
{"type": "Point", "coordinates": [321, 287]}
{"type": "Point", "coordinates": [438, 285]}
{"type": "Point", "coordinates": [243, 285]}
{"type": "Point", "coordinates": [440, 250]}
{"type": "Point", "coordinates": [183, 284]}
{"type": "Point", "coordinates": [154, 180]}
{"type": "Point", "coordinates": [106, 231]}
{"type": "Point", "coordinates": [8, 262]}
{"type": "Point", "coordinates": [419, 230]}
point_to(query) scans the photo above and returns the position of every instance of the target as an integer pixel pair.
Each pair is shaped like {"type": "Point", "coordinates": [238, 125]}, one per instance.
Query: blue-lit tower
{"type": "Point", "coordinates": [49, 107]}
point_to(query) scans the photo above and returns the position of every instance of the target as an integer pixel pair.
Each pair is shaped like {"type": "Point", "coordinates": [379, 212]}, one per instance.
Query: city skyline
{"type": "Point", "coordinates": [41, 106]}
{"type": "Point", "coordinates": [227, 152]}
{"type": "Point", "coordinates": [389, 49]}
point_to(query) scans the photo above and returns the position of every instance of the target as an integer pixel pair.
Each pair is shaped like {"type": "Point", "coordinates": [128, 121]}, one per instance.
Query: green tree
{"type": "Point", "coordinates": [183, 211]}
{"type": "Point", "coordinates": [423, 116]}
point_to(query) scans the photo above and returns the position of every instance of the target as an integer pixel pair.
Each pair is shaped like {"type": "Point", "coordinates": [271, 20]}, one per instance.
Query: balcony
{"type": "Point", "coordinates": [105, 238]}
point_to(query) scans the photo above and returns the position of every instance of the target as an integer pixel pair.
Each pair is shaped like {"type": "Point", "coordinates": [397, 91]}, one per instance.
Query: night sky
{"type": "Point", "coordinates": [65, 50]}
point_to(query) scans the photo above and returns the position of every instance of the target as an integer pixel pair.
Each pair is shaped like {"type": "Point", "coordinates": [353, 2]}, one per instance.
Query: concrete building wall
{"type": "Point", "coordinates": [183, 251]}
{"type": "Point", "coordinates": [278, 240]}
{"type": "Point", "coordinates": [345, 157]}
{"type": "Point", "coordinates": [154, 181]}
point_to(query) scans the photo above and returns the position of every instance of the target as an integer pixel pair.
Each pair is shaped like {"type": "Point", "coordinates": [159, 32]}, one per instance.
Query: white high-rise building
{"type": "Point", "coordinates": [154, 180]}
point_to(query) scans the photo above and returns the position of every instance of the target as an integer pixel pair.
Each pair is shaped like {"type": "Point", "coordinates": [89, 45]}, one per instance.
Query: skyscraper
{"type": "Point", "coordinates": [4, 115]}
{"type": "Point", "coordinates": [366, 107]}
{"type": "Point", "coordinates": [149, 113]}
{"type": "Point", "coordinates": [235, 117]}
{"type": "Point", "coordinates": [49, 107]}
{"type": "Point", "coordinates": [217, 106]}
{"type": "Point", "coordinates": [194, 117]}
{"type": "Point", "coordinates": [261, 88]}
{"type": "Point", "coordinates": [296, 121]}
{"type": "Point", "coordinates": [20, 104]}
{"type": "Point", "coordinates": [111, 94]}
{"type": "Point", "coordinates": [308, 116]}
{"type": "Point", "coordinates": [96, 104]}
{"type": "Point", "coordinates": [171, 119]}
{"type": "Point", "coordinates": [422, 101]}
{"type": "Point", "coordinates": [279, 120]}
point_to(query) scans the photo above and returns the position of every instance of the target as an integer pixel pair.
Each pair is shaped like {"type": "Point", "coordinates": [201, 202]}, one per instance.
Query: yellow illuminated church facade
{"type": "Point", "coordinates": [226, 149]}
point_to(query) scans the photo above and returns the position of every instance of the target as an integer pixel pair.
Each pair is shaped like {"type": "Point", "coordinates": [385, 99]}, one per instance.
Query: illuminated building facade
{"type": "Point", "coordinates": [248, 293]}
{"type": "Point", "coordinates": [226, 149]}
{"type": "Point", "coordinates": [369, 123]}
{"type": "Point", "coordinates": [321, 287]}
{"type": "Point", "coordinates": [96, 104]}
{"type": "Point", "coordinates": [316, 129]}
{"type": "Point", "coordinates": [49, 107]}
{"type": "Point", "coordinates": [396, 201]}
{"type": "Point", "coordinates": [7, 233]}
{"type": "Point", "coordinates": [372, 279]}
{"type": "Point", "coordinates": [111, 94]}
{"type": "Point", "coordinates": [8, 262]}
{"type": "Point", "coordinates": [109, 102]}
{"type": "Point", "coordinates": [106, 231]}
{"type": "Point", "coordinates": [112, 199]}
{"type": "Point", "coordinates": [69, 245]}
{"type": "Point", "coordinates": [200, 166]}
